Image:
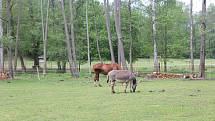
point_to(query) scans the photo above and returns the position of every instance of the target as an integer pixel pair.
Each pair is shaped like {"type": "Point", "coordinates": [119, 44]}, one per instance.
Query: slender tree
{"type": "Point", "coordinates": [17, 34]}
{"type": "Point", "coordinates": [88, 39]}
{"type": "Point", "coordinates": [130, 36]}
{"type": "Point", "coordinates": [72, 37]}
{"type": "Point", "coordinates": [191, 36]}
{"type": "Point", "coordinates": [1, 44]}
{"type": "Point", "coordinates": [121, 54]}
{"type": "Point", "coordinates": [68, 42]}
{"type": "Point", "coordinates": [202, 43]}
{"type": "Point", "coordinates": [97, 33]}
{"type": "Point", "coordinates": [107, 19]}
{"type": "Point", "coordinates": [45, 35]}
{"type": "Point", "coordinates": [156, 66]}
{"type": "Point", "coordinates": [9, 33]}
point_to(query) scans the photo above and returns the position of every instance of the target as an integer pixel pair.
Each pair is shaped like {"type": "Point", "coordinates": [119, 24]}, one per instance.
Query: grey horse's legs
{"type": "Point", "coordinates": [126, 85]}
{"type": "Point", "coordinates": [112, 86]}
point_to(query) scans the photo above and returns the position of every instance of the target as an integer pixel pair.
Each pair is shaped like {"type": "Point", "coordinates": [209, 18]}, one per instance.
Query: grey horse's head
{"type": "Point", "coordinates": [134, 85]}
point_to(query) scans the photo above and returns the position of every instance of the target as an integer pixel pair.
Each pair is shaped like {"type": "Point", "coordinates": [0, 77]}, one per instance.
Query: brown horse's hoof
{"type": "Point", "coordinates": [113, 92]}
{"type": "Point", "coordinates": [125, 91]}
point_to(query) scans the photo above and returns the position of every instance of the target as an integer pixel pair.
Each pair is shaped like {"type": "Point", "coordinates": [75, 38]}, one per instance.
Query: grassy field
{"type": "Point", "coordinates": [58, 97]}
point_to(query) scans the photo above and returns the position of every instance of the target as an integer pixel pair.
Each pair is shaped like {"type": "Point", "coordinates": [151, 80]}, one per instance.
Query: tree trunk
{"type": "Point", "coordinates": [119, 34]}
{"type": "Point", "coordinates": [165, 49]}
{"type": "Point", "coordinates": [156, 66]}
{"type": "Point", "coordinates": [22, 61]}
{"type": "Point", "coordinates": [107, 18]}
{"type": "Point", "coordinates": [9, 32]}
{"type": "Point", "coordinates": [88, 39]}
{"type": "Point", "coordinates": [202, 44]}
{"type": "Point", "coordinates": [191, 36]}
{"type": "Point", "coordinates": [58, 66]}
{"type": "Point", "coordinates": [17, 34]}
{"type": "Point", "coordinates": [130, 36]}
{"type": "Point", "coordinates": [1, 44]}
{"type": "Point", "coordinates": [63, 66]}
{"type": "Point", "coordinates": [75, 67]}
{"type": "Point", "coordinates": [68, 43]}
{"type": "Point", "coordinates": [35, 42]}
{"type": "Point", "coordinates": [97, 33]}
{"type": "Point", "coordinates": [45, 35]}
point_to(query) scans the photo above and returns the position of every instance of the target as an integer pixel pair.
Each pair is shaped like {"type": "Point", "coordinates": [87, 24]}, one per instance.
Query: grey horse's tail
{"type": "Point", "coordinates": [134, 81]}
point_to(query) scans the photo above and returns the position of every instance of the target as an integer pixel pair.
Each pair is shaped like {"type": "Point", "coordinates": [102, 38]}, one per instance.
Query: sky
{"type": "Point", "coordinates": [197, 4]}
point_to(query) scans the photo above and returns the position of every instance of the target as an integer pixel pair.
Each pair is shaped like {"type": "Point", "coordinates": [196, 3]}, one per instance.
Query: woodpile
{"type": "Point", "coordinates": [4, 75]}
{"type": "Point", "coordinates": [158, 75]}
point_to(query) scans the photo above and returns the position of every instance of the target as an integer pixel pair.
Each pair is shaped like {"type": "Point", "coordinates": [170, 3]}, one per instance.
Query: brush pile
{"type": "Point", "coordinates": [158, 75]}
{"type": "Point", "coordinates": [4, 75]}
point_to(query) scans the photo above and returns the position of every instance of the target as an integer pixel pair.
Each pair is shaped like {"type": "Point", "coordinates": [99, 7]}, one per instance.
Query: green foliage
{"type": "Point", "coordinates": [172, 29]}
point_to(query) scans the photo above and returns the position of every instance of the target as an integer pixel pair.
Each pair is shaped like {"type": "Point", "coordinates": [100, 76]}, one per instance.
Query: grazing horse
{"type": "Point", "coordinates": [104, 69]}
{"type": "Point", "coordinates": [122, 76]}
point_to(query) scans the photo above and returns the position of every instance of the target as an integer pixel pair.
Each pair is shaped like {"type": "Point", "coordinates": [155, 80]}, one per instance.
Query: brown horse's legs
{"type": "Point", "coordinates": [112, 86]}
{"type": "Point", "coordinates": [96, 78]}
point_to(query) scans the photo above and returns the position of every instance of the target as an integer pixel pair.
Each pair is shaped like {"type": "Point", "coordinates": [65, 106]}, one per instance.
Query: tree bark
{"type": "Point", "coordinates": [88, 39]}
{"type": "Point", "coordinates": [35, 42]}
{"type": "Point", "coordinates": [17, 34]}
{"type": "Point", "coordinates": [45, 35]}
{"type": "Point", "coordinates": [97, 33]}
{"type": "Point", "coordinates": [9, 32]}
{"type": "Point", "coordinates": [156, 65]}
{"type": "Point", "coordinates": [130, 37]}
{"type": "Point", "coordinates": [165, 48]}
{"type": "Point", "coordinates": [68, 42]}
{"type": "Point", "coordinates": [202, 44]}
{"type": "Point", "coordinates": [1, 44]}
{"type": "Point", "coordinates": [191, 36]}
{"type": "Point", "coordinates": [107, 19]}
{"type": "Point", "coordinates": [119, 34]}
{"type": "Point", "coordinates": [75, 67]}
{"type": "Point", "coordinates": [22, 61]}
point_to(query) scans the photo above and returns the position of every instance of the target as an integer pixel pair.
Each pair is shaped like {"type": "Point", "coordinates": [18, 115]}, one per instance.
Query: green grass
{"type": "Point", "coordinates": [49, 99]}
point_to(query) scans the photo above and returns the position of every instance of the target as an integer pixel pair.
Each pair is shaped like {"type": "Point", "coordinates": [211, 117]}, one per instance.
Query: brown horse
{"type": "Point", "coordinates": [104, 69]}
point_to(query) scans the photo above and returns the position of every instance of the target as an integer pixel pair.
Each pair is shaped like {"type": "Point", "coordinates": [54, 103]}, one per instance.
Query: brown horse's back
{"type": "Point", "coordinates": [105, 68]}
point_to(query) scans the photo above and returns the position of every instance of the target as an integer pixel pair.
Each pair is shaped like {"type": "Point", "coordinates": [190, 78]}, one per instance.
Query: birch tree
{"type": "Point", "coordinates": [202, 43]}
{"type": "Point", "coordinates": [97, 33]}
{"type": "Point", "coordinates": [191, 36]}
{"type": "Point", "coordinates": [45, 35]}
{"type": "Point", "coordinates": [107, 19]}
{"type": "Point", "coordinates": [72, 37]}
{"type": "Point", "coordinates": [88, 39]}
{"type": "Point", "coordinates": [1, 44]}
{"type": "Point", "coordinates": [121, 55]}
{"type": "Point", "coordinates": [17, 34]}
{"type": "Point", "coordinates": [156, 66]}
{"type": "Point", "coordinates": [9, 34]}
{"type": "Point", "coordinates": [130, 36]}
{"type": "Point", "coordinates": [68, 42]}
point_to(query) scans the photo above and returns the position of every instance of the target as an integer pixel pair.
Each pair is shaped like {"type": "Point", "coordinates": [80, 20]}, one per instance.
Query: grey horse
{"type": "Point", "coordinates": [122, 76]}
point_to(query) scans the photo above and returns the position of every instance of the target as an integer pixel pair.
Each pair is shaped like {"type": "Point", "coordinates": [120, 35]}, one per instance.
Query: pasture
{"type": "Point", "coordinates": [58, 97]}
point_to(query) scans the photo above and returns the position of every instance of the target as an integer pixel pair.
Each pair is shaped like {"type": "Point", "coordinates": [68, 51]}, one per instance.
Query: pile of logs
{"type": "Point", "coordinates": [158, 75]}
{"type": "Point", "coordinates": [4, 75]}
